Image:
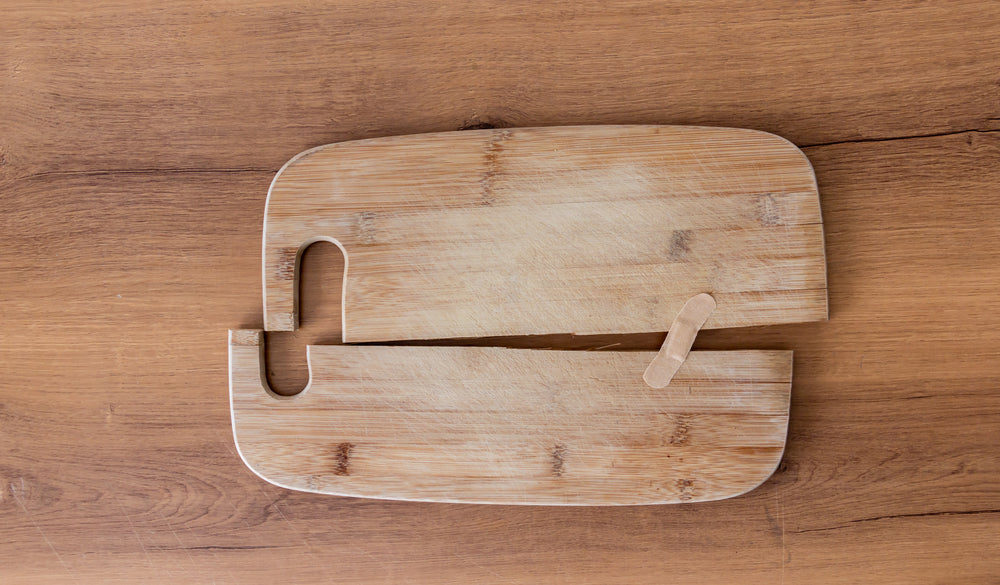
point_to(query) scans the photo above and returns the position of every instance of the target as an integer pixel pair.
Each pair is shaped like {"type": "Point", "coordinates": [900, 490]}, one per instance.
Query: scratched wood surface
{"type": "Point", "coordinates": [585, 230]}
{"type": "Point", "coordinates": [497, 425]}
{"type": "Point", "coordinates": [137, 140]}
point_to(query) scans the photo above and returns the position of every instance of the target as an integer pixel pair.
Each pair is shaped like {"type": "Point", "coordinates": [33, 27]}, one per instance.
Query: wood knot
{"type": "Point", "coordinates": [476, 124]}
{"type": "Point", "coordinates": [680, 436]}
{"type": "Point", "coordinates": [343, 455]}
{"type": "Point", "coordinates": [286, 263]}
{"type": "Point", "coordinates": [492, 166]}
{"type": "Point", "coordinates": [767, 209]}
{"type": "Point", "coordinates": [558, 459]}
{"type": "Point", "coordinates": [366, 227]}
{"type": "Point", "coordinates": [685, 489]}
{"type": "Point", "coordinates": [680, 245]}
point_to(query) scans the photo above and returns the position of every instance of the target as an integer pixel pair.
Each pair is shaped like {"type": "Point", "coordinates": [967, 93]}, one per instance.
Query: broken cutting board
{"type": "Point", "coordinates": [608, 229]}
{"type": "Point", "coordinates": [586, 230]}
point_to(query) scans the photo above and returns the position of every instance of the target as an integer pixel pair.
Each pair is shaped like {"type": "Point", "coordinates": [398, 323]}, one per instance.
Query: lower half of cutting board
{"type": "Point", "coordinates": [513, 426]}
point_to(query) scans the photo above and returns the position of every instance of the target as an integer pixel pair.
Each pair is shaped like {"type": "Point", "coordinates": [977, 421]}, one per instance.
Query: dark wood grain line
{"type": "Point", "coordinates": [852, 523]}
{"type": "Point", "coordinates": [902, 138]}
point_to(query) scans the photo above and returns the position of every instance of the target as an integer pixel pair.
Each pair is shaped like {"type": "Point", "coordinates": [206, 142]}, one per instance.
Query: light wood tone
{"type": "Point", "coordinates": [135, 143]}
{"type": "Point", "coordinates": [117, 455]}
{"type": "Point", "coordinates": [603, 229]}
{"type": "Point", "coordinates": [529, 231]}
{"type": "Point", "coordinates": [680, 338]}
{"type": "Point", "coordinates": [512, 426]}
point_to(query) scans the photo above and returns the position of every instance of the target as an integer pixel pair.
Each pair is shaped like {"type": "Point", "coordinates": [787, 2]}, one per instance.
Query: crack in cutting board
{"type": "Point", "coordinates": [582, 230]}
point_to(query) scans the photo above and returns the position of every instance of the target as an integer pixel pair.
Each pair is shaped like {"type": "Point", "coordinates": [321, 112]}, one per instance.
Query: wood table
{"type": "Point", "coordinates": [137, 141]}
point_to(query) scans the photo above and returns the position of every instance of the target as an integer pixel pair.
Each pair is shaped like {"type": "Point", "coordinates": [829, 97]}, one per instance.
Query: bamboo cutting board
{"type": "Point", "coordinates": [540, 230]}
{"type": "Point", "coordinates": [587, 230]}
{"type": "Point", "coordinates": [508, 426]}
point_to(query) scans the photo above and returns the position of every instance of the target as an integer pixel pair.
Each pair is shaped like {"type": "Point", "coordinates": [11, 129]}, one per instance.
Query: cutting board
{"type": "Point", "coordinates": [586, 230]}
{"type": "Point", "coordinates": [529, 231]}
{"type": "Point", "coordinates": [513, 426]}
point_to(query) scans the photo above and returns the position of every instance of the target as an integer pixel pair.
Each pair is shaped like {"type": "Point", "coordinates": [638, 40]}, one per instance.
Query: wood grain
{"type": "Point", "coordinates": [590, 229]}
{"type": "Point", "coordinates": [512, 426]}
{"type": "Point", "coordinates": [136, 142]}
{"type": "Point", "coordinates": [586, 230]}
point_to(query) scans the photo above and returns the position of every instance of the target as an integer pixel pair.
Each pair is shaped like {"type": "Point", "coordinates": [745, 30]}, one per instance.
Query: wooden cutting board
{"type": "Point", "coordinates": [510, 426]}
{"type": "Point", "coordinates": [593, 229]}
{"type": "Point", "coordinates": [518, 232]}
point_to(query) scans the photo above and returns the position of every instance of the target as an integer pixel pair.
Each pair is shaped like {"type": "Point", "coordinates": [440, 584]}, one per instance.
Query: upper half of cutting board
{"type": "Point", "coordinates": [589, 229]}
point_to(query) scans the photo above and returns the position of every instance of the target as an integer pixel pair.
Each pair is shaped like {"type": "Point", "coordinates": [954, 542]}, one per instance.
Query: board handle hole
{"type": "Point", "coordinates": [321, 278]}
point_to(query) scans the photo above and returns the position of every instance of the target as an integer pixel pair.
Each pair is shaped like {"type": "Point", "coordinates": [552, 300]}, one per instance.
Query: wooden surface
{"type": "Point", "coordinates": [137, 141]}
{"type": "Point", "coordinates": [582, 229]}
{"type": "Point", "coordinates": [585, 230]}
{"type": "Point", "coordinates": [495, 425]}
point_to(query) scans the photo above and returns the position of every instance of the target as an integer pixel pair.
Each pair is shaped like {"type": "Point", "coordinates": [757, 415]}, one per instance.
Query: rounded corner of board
{"type": "Point", "coordinates": [764, 478]}
{"type": "Point", "coordinates": [298, 158]}
{"type": "Point", "coordinates": [254, 467]}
